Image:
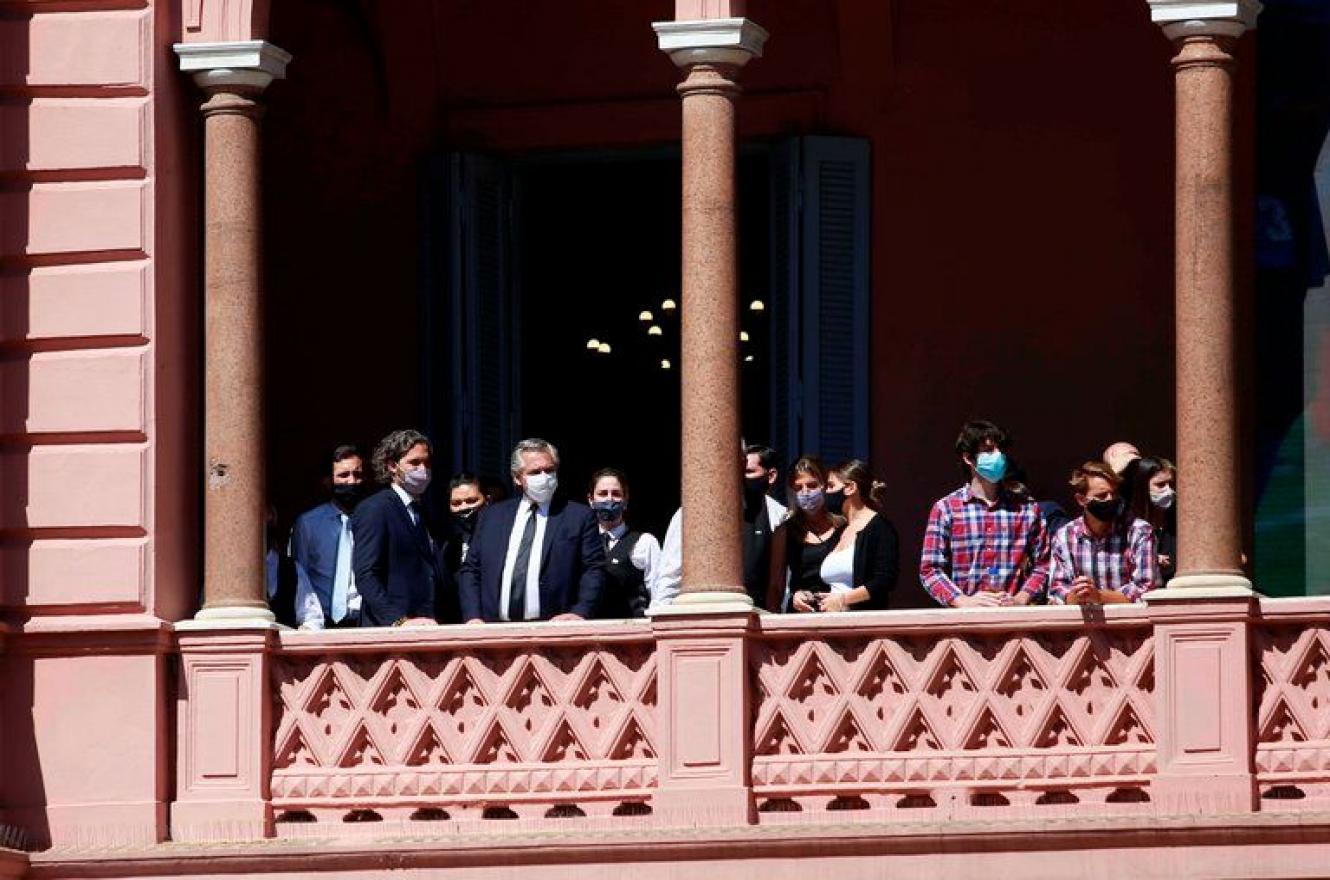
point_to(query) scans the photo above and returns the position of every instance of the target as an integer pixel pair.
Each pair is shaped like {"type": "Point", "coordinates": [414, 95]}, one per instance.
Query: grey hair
{"type": "Point", "coordinates": [531, 444]}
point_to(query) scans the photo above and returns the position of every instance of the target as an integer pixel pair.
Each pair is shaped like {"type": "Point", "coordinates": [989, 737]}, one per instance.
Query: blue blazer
{"type": "Point", "coordinates": [314, 548]}
{"type": "Point", "coordinates": [397, 571]}
{"type": "Point", "coordinates": [572, 560]}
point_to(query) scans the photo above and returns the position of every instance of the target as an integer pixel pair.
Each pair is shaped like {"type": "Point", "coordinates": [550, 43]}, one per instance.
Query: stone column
{"type": "Point", "coordinates": [233, 75]}
{"type": "Point", "coordinates": [710, 52]}
{"type": "Point", "coordinates": [1209, 516]}
{"type": "Point", "coordinates": [1202, 621]}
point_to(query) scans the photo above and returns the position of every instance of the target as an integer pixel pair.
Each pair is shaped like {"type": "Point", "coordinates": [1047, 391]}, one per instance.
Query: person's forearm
{"type": "Point", "coordinates": [858, 596]}
{"type": "Point", "coordinates": [942, 588]}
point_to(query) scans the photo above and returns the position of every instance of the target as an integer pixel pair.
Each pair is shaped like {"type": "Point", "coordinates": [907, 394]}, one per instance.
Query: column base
{"type": "Point", "coordinates": [707, 602]}
{"type": "Point", "coordinates": [682, 807]}
{"type": "Point", "coordinates": [220, 821]}
{"type": "Point", "coordinates": [1204, 586]}
{"type": "Point", "coordinates": [1207, 795]}
{"type": "Point", "coordinates": [231, 617]}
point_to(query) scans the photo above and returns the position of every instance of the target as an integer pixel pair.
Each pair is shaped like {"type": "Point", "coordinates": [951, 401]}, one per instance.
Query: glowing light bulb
{"type": "Point", "coordinates": [669, 305]}
{"type": "Point", "coordinates": [605, 348]}
{"type": "Point", "coordinates": [645, 316]}
{"type": "Point", "coordinates": [749, 359]}
{"type": "Point", "coordinates": [593, 344]}
{"type": "Point", "coordinates": [653, 330]}
{"type": "Point", "coordinates": [743, 335]}
{"type": "Point", "coordinates": [757, 306]}
{"type": "Point", "coordinates": [665, 365]}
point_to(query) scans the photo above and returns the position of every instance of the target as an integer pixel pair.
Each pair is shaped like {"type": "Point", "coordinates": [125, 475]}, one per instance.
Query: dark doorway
{"type": "Point", "coordinates": [598, 244]}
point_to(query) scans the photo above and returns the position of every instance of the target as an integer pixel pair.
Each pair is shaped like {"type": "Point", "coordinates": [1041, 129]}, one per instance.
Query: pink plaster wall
{"type": "Point", "coordinates": [95, 406]}
{"type": "Point", "coordinates": [98, 529]}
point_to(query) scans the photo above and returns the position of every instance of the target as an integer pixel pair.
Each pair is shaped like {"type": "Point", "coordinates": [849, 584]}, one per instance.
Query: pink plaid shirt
{"type": "Point", "coordinates": [1124, 560]}
{"type": "Point", "coordinates": [971, 546]}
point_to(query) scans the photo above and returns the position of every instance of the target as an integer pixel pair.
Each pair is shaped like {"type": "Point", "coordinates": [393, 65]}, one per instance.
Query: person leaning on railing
{"type": "Point", "coordinates": [632, 558]}
{"type": "Point", "coordinates": [982, 546]}
{"type": "Point", "coordinates": [1154, 499]}
{"type": "Point", "coordinates": [860, 571]}
{"type": "Point", "coordinates": [811, 533]}
{"type": "Point", "coordinates": [1107, 554]}
{"type": "Point", "coordinates": [394, 555]}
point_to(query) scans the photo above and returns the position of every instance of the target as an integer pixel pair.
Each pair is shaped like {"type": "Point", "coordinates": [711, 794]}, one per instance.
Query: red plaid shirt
{"type": "Point", "coordinates": [971, 546]}
{"type": "Point", "coordinates": [1124, 560]}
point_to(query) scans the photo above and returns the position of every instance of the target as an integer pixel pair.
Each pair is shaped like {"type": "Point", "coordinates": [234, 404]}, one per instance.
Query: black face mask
{"type": "Point", "coordinates": [835, 502]}
{"type": "Point", "coordinates": [464, 522]}
{"type": "Point", "coordinates": [754, 489]}
{"type": "Point", "coordinates": [1104, 509]}
{"type": "Point", "coordinates": [348, 495]}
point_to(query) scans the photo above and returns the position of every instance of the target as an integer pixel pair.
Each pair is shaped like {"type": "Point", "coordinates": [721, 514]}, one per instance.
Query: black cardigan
{"type": "Point", "coordinates": [876, 561]}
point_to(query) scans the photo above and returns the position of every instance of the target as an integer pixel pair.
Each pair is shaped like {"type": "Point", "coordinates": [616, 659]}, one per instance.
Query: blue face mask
{"type": "Point", "coordinates": [608, 511]}
{"type": "Point", "coordinates": [992, 466]}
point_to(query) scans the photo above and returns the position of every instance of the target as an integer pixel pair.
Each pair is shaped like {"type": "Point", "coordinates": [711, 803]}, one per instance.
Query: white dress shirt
{"type": "Point", "coordinates": [524, 513]}
{"type": "Point", "coordinates": [408, 499]}
{"type": "Point", "coordinates": [670, 574]}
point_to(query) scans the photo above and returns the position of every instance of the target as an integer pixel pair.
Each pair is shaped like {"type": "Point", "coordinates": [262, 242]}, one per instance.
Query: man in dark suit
{"type": "Point", "coordinates": [534, 557]}
{"type": "Point", "coordinates": [394, 557]}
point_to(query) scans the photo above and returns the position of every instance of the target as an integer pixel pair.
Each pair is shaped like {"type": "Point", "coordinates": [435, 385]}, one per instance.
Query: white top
{"type": "Point", "coordinates": [838, 570]}
{"type": "Point", "coordinates": [670, 576]}
{"type": "Point", "coordinates": [533, 566]}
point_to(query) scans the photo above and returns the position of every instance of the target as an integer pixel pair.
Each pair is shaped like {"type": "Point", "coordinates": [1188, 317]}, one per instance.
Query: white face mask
{"type": "Point", "coordinates": [416, 480]}
{"type": "Point", "coordinates": [1163, 498]}
{"type": "Point", "coordinates": [540, 488]}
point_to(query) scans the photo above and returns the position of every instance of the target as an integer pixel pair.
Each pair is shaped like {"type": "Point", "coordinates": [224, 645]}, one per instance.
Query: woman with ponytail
{"type": "Point", "coordinates": [861, 569]}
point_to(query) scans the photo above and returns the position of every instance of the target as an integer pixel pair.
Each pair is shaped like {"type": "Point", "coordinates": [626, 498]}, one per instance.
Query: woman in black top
{"type": "Point", "coordinates": [810, 533]}
{"type": "Point", "coordinates": [861, 569]}
{"type": "Point", "coordinates": [1154, 499]}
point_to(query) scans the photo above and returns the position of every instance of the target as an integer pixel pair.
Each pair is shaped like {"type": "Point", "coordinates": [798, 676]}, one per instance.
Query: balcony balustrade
{"type": "Point", "coordinates": [895, 717]}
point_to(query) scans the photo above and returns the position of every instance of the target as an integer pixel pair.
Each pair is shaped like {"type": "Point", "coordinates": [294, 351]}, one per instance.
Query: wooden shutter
{"type": "Point", "coordinates": [783, 304]}
{"type": "Point", "coordinates": [482, 365]}
{"type": "Point", "coordinates": [822, 222]}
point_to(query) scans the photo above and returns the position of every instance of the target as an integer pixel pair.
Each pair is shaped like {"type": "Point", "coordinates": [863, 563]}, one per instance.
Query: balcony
{"type": "Point", "coordinates": [905, 719]}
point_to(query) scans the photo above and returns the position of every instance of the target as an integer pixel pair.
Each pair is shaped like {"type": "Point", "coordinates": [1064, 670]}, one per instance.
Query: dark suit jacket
{"type": "Point", "coordinates": [572, 560]}
{"type": "Point", "coordinates": [397, 573]}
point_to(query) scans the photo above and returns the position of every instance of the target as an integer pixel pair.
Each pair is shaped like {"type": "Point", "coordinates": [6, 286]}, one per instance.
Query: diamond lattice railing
{"type": "Point", "coordinates": [989, 719]}
{"type": "Point", "coordinates": [528, 729]}
{"type": "Point", "coordinates": [1293, 711]}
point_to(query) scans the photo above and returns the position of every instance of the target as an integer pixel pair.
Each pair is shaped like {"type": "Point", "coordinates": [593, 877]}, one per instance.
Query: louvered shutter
{"type": "Point", "coordinates": [483, 368]}
{"type": "Point", "coordinates": [822, 223]}
{"type": "Point", "coordinates": [783, 302]}
{"type": "Point", "coordinates": [835, 293]}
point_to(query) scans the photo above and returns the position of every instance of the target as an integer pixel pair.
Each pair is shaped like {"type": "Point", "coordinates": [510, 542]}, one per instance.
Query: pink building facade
{"type": "Point", "coordinates": [155, 722]}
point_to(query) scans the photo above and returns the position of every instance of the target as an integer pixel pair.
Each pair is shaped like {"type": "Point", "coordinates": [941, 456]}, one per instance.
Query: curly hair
{"type": "Point", "coordinates": [391, 449]}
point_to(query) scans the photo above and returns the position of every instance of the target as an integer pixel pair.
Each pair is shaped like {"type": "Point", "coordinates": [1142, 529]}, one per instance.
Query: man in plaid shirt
{"type": "Point", "coordinates": [984, 546]}
{"type": "Point", "coordinates": [1104, 549]}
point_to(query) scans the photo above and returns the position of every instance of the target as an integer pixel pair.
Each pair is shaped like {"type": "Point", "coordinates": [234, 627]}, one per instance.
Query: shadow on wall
{"type": "Point", "coordinates": [20, 777]}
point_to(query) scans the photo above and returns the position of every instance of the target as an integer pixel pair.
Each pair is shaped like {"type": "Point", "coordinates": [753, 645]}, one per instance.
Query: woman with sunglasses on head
{"type": "Point", "coordinates": [860, 571]}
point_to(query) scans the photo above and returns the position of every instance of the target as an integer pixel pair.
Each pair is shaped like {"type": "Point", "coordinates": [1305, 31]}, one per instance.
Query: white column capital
{"type": "Point", "coordinates": [241, 63]}
{"type": "Point", "coordinates": [711, 40]}
{"type": "Point", "coordinates": [1220, 18]}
